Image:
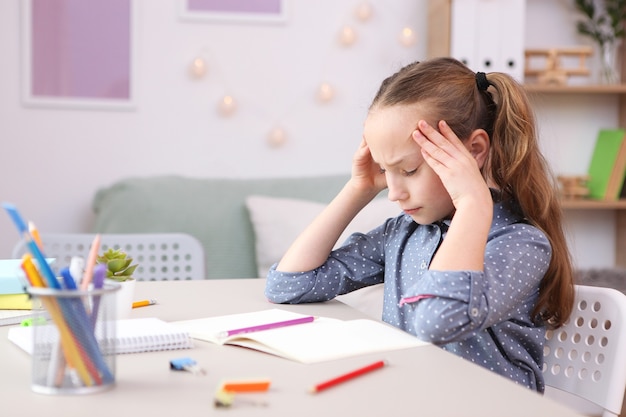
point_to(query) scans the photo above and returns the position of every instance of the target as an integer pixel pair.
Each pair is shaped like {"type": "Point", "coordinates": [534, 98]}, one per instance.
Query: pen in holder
{"type": "Point", "coordinates": [73, 353]}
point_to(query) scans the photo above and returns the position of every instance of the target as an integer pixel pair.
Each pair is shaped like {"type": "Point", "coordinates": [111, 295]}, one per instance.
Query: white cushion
{"type": "Point", "coordinates": [278, 221]}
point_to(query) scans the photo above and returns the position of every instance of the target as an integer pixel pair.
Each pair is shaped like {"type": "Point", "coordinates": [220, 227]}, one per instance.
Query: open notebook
{"type": "Point", "coordinates": [317, 341]}
{"type": "Point", "coordinates": [131, 336]}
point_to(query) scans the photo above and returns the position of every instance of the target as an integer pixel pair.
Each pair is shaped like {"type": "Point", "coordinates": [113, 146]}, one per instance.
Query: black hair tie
{"type": "Point", "coordinates": [481, 81]}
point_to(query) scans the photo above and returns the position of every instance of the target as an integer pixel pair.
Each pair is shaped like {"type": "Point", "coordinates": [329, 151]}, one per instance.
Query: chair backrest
{"type": "Point", "coordinates": [587, 356]}
{"type": "Point", "coordinates": [160, 256]}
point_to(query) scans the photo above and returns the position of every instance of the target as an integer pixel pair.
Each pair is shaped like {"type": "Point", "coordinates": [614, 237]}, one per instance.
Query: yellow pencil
{"type": "Point", "coordinates": [144, 303]}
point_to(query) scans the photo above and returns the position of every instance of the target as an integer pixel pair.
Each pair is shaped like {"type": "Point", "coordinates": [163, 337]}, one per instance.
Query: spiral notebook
{"type": "Point", "coordinates": [131, 336]}
{"type": "Point", "coordinates": [9, 317]}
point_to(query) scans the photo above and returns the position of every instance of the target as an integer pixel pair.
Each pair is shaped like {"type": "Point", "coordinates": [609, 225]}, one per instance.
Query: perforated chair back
{"type": "Point", "coordinates": [160, 256]}
{"type": "Point", "coordinates": [587, 356]}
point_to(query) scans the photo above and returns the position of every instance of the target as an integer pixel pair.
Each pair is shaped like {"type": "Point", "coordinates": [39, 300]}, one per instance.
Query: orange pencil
{"type": "Point", "coordinates": [246, 386]}
{"type": "Point", "coordinates": [35, 234]}
{"type": "Point", "coordinates": [346, 377]}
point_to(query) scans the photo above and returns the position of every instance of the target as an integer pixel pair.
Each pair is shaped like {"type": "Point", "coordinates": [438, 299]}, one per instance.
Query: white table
{"type": "Point", "coordinates": [422, 381]}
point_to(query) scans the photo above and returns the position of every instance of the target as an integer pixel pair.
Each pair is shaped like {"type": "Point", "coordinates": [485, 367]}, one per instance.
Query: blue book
{"type": "Point", "coordinates": [12, 278]}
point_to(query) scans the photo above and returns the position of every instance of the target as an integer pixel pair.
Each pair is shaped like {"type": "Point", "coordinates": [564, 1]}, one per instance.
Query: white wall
{"type": "Point", "coordinates": [53, 160]}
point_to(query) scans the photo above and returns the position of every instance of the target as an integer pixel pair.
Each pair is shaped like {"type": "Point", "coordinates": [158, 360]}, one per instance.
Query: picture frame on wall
{"type": "Point", "coordinates": [247, 11]}
{"type": "Point", "coordinates": [78, 54]}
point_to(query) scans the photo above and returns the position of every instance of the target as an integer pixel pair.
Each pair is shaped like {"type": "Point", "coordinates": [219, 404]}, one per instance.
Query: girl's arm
{"type": "Point", "coordinates": [458, 165]}
{"type": "Point", "coordinates": [312, 247]}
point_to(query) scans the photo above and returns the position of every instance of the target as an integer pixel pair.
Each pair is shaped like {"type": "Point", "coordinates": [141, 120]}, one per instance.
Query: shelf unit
{"type": "Point", "coordinates": [439, 45]}
{"type": "Point", "coordinates": [576, 89]}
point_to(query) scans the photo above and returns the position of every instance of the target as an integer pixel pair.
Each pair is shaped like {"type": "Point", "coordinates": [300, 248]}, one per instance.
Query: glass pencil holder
{"type": "Point", "coordinates": [73, 348]}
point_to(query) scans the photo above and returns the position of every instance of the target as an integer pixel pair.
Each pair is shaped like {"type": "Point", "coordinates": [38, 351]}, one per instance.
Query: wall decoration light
{"type": "Point", "coordinates": [227, 106]}
{"type": "Point", "coordinates": [277, 137]}
{"type": "Point", "coordinates": [407, 37]}
{"type": "Point", "coordinates": [363, 11]}
{"type": "Point", "coordinates": [198, 67]}
{"type": "Point", "coordinates": [359, 18]}
{"type": "Point", "coordinates": [347, 36]}
{"type": "Point", "coordinates": [325, 92]}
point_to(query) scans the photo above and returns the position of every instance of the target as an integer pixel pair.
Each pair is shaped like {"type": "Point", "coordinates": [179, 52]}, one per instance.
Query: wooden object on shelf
{"type": "Point", "coordinates": [554, 71]}
{"type": "Point", "coordinates": [573, 187]}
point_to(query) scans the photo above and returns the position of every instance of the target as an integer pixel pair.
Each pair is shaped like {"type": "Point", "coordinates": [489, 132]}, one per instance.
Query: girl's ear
{"type": "Point", "coordinates": [478, 145]}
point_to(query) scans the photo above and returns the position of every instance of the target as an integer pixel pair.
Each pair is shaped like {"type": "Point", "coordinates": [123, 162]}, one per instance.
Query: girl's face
{"type": "Point", "coordinates": [411, 182]}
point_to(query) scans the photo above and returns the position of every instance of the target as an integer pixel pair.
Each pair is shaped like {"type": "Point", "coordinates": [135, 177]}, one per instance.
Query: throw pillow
{"type": "Point", "coordinates": [278, 221]}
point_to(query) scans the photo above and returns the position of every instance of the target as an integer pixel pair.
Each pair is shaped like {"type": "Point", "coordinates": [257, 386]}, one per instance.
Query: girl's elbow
{"type": "Point", "coordinates": [446, 325]}
{"type": "Point", "coordinates": [435, 333]}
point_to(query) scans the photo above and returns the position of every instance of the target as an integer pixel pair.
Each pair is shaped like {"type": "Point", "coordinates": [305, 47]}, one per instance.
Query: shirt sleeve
{"type": "Point", "coordinates": [356, 264]}
{"type": "Point", "coordinates": [516, 259]}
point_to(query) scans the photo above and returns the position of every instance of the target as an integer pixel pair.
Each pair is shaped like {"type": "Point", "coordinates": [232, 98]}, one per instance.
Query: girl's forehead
{"type": "Point", "coordinates": [390, 122]}
{"type": "Point", "coordinates": [389, 135]}
{"type": "Point", "coordinates": [399, 116]}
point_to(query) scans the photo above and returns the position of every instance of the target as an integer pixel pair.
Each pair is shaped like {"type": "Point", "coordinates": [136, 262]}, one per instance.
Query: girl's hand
{"type": "Point", "coordinates": [366, 174]}
{"type": "Point", "coordinates": [457, 168]}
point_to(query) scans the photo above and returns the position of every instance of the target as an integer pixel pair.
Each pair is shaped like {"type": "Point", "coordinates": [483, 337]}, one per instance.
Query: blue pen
{"type": "Point", "coordinates": [47, 272]}
{"type": "Point", "coordinates": [82, 327]}
{"type": "Point", "coordinates": [68, 280]}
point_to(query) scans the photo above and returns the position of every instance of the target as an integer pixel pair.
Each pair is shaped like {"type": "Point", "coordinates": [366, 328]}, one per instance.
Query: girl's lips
{"type": "Point", "coordinates": [411, 211]}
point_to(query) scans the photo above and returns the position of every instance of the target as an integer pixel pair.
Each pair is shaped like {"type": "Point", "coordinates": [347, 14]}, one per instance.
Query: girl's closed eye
{"type": "Point", "coordinates": [409, 173]}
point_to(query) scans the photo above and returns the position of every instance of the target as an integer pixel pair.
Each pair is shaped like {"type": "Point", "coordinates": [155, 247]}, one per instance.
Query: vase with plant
{"type": "Point", "coordinates": [120, 268]}
{"type": "Point", "coordinates": [603, 22]}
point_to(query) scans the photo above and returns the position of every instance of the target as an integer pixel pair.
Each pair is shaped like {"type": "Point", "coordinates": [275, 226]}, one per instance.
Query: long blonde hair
{"type": "Point", "coordinates": [515, 164]}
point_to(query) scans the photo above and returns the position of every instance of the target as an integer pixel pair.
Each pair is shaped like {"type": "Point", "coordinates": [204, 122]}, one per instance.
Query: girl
{"type": "Point", "coordinates": [477, 263]}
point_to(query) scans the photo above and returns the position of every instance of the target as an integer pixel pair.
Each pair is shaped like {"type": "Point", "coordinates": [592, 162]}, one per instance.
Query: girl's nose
{"type": "Point", "coordinates": [395, 191]}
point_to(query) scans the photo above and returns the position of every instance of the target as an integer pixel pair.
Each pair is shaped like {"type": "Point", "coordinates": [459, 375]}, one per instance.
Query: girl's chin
{"type": "Point", "coordinates": [420, 217]}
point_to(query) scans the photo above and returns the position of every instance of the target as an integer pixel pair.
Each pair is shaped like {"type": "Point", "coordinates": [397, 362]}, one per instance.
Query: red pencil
{"type": "Point", "coordinates": [346, 377]}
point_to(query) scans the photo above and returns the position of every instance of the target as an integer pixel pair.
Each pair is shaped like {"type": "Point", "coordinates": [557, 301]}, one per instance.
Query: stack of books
{"type": "Point", "coordinates": [15, 303]}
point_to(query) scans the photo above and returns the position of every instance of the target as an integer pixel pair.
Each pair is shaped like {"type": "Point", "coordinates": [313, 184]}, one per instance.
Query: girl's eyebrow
{"type": "Point", "coordinates": [402, 158]}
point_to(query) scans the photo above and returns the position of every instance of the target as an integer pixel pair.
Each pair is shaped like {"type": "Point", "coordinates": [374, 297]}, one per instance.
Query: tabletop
{"type": "Point", "coordinates": [424, 381]}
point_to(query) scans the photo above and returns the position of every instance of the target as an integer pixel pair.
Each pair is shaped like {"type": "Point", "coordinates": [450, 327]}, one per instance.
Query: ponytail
{"type": "Point", "coordinates": [519, 169]}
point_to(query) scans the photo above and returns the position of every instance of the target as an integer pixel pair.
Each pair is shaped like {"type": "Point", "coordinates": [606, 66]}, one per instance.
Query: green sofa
{"type": "Point", "coordinates": [211, 209]}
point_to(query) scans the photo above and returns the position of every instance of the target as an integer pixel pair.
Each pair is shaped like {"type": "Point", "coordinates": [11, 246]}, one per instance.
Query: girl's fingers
{"type": "Point", "coordinates": [434, 146]}
{"type": "Point", "coordinates": [444, 137]}
{"type": "Point", "coordinates": [447, 132]}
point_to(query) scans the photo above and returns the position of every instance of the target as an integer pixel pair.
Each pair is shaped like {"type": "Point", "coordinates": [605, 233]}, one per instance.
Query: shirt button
{"type": "Point", "coordinates": [423, 265]}
{"type": "Point", "coordinates": [474, 312]}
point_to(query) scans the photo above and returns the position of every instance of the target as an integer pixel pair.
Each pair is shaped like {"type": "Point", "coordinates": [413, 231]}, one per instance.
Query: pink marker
{"type": "Point", "coordinates": [267, 326]}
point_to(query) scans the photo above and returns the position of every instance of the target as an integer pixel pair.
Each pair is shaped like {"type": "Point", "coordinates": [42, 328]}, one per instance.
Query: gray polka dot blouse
{"type": "Point", "coordinates": [484, 317]}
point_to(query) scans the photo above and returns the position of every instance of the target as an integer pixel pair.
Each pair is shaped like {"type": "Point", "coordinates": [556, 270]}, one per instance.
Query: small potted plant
{"type": "Point", "coordinates": [603, 22]}
{"type": "Point", "coordinates": [120, 268]}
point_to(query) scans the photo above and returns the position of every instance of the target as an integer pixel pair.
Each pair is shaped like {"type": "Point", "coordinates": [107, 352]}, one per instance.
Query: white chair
{"type": "Point", "coordinates": [585, 360]}
{"type": "Point", "coordinates": [160, 256]}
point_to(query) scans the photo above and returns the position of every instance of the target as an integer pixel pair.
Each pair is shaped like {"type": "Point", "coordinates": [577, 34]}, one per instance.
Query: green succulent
{"type": "Point", "coordinates": [118, 264]}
